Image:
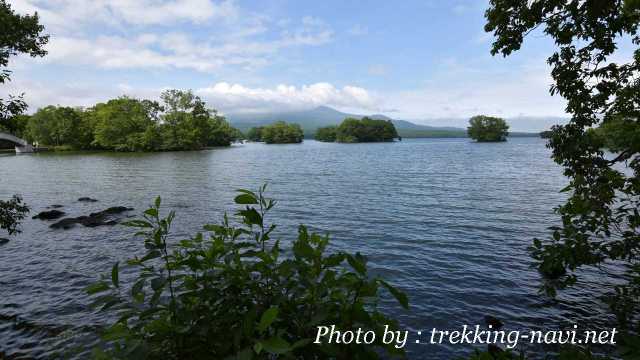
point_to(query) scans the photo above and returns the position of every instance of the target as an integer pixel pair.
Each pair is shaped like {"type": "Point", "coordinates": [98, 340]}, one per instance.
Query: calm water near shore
{"type": "Point", "coordinates": [446, 220]}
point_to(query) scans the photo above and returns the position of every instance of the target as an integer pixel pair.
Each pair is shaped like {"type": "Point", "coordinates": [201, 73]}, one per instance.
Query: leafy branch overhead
{"type": "Point", "coordinates": [600, 219]}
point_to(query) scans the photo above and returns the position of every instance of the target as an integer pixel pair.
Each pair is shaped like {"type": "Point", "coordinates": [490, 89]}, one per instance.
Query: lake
{"type": "Point", "coordinates": [446, 220]}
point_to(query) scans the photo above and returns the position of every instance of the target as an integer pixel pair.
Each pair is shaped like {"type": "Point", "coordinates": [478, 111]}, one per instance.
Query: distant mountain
{"type": "Point", "coordinates": [310, 120]}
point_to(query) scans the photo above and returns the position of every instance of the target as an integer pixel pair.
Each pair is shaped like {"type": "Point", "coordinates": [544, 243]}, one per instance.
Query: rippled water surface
{"type": "Point", "coordinates": [446, 220]}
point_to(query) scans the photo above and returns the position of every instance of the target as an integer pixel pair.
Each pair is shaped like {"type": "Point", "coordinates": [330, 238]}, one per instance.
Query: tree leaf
{"type": "Point", "coordinates": [98, 287]}
{"type": "Point", "coordinates": [115, 275]}
{"type": "Point", "coordinates": [357, 264]}
{"type": "Point", "coordinates": [245, 199]}
{"type": "Point", "coordinates": [267, 318]}
{"type": "Point", "coordinates": [399, 295]}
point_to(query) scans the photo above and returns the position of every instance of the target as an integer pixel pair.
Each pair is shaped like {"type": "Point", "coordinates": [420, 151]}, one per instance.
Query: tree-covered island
{"type": "Point", "coordinates": [358, 130]}
{"type": "Point", "coordinates": [487, 129]}
{"type": "Point", "coordinates": [279, 132]}
{"type": "Point", "coordinates": [181, 121]}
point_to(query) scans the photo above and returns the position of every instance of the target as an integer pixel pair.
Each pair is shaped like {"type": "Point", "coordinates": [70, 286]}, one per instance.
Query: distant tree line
{"type": "Point", "coordinates": [279, 132]}
{"type": "Point", "coordinates": [181, 121]}
{"type": "Point", "coordinates": [358, 130]}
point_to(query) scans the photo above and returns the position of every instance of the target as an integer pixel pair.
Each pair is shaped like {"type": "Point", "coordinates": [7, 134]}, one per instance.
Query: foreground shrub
{"type": "Point", "coordinates": [229, 293]}
{"type": "Point", "coordinates": [12, 211]}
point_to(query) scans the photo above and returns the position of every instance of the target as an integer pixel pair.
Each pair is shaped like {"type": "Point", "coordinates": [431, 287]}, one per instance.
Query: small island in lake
{"type": "Point", "coordinates": [353, 130]}
{"type": "Point", "coordinates": [487, 129]}
{"type": "Point", "coordinates": [279, 132]}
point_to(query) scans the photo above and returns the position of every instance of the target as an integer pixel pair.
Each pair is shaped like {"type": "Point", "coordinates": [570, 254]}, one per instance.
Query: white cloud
{"type": "Point", "coordinates": [143, 34]}
{"type": "Point", "coordinates": [72, 14]}
{"type": "Point", "coordinates": [239, 98]}
{"type": "Point", "coordinates": [226, 97]}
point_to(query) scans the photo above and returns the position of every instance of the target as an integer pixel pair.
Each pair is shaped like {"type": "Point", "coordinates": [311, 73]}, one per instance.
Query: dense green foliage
{"type": "Point", "coordinates": [601, 218]}
{"type": "Point", "coordinates": [618, 134]}
{"type": "Point", "coordinates": [19, 34]}
{"type": "Point", "coordinates": [11, 213]}
{"type": "Point", "coordinates": [255, 134]}
{"type": "Point", "coordinates": [180, 122]}
{"type": "Point", "coordinates": [487, 129]}
{"type": "Point", "coordinates": [232, 293]}
{"type": "Point", "coordinates": [327, 134]}
{"type": "Point", "coordinates": [365, 130]}
{"type": "Point", "coordinates": [279, 132]}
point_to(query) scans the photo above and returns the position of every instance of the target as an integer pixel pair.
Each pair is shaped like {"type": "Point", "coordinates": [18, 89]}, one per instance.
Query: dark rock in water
{"type": "Point", "coordinates": [67, 223]}
{"type": "Point", "coordinates": [111, 211]}
{"type": "Point", "coordinates": [87, 199]}
{"type": "Point", "coordinates": [49, 215]}
{"type": "Point", "coordinates": [100, 218]}
{"type": "Point", "coordinates": [494, 322]}
{"type": "Point", "coordinates": [55, 206]}
{"type": "Point", "coordinates": [3, 241]}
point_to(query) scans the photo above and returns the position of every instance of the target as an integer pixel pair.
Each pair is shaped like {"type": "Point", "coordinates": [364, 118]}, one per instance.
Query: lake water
{"type": "Point", "coordinates": [446, 220]}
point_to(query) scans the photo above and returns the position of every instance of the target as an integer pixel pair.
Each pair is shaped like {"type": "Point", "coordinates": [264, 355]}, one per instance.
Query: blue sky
{"type": "Point", "coordinates": [426, 61]}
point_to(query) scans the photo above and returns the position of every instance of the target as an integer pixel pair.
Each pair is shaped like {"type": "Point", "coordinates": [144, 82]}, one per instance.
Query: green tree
{"type": "Point", "coordinates": [327, 134]}
{"type": "Point", "coordinates": [255, 134]}
{"type": "Point", "coordinates": [187, 124]}
{"type": "Point", "coordinates": [365, 130]}
{"type": "Point", "coordinates": [281, 132]}
{"type": "Point", "coordinates": [487, 129]}
{"type": "Point", "coordinates": [56, 126]}
{"type": "Point", "coordinates": [231, 293]}
{"type": "Point", "coordinates": [601, 218]}
{"type": "Point", "coordinates": [121, 124]}
{"type": "Point", "coordinates": [19, 34]}
{"type": "Point", "coordinates": [16, 125]}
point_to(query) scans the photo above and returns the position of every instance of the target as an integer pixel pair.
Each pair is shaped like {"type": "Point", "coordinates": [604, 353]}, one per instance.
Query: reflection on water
{"type": "Point", "coordinates": [446, 220]}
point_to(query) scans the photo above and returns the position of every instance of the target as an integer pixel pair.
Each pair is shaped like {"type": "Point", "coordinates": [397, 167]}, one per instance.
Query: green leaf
{"type": "Point", "coordinates": [399, 295]}
{"type": "Point", "coordinates": [357, 264]}
{"type": "Point", "coordinates": [257, 347]}
{"type": "Point", "coordinates": [158, 201]}
{"type": "Point", "coordinates": [267, 318]}
{"type": "Point", "coordinates": [301, 249]}
{"type": "Point", "coordinates": [151, 212]}
{"type": "Point", "coordinates": [98, 287]}
{"type": "Point", "coordinates": [245, 199]}
{"type": "Point", "coordinates": [251, 216]}
{"type": "Point", "coordinates": [276, 345]}
{"type": "Point", "coordinates": [115, 275]}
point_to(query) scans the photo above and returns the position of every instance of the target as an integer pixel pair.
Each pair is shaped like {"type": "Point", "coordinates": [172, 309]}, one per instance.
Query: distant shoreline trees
{"type": "Point", "coordinates": [487, 129]}
{"type": "Point", "coordinates": [358, 130]}
{"type": "Point", "coordinates": [326, 134]}
{"type": "Point", "coordinates": [180, 122]}
{"type": "Point", "coordinates": [279, 132]}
